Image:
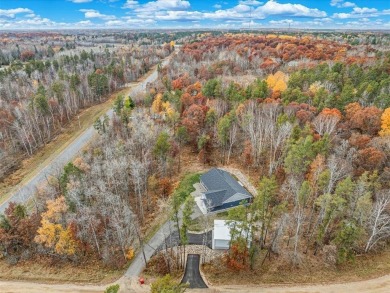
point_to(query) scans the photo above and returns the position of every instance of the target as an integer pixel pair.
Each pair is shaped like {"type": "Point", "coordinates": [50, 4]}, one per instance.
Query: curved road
{"type": "Point", "coordinates": [24, 192]}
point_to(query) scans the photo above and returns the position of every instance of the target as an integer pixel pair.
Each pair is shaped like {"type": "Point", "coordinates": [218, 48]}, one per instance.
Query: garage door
{"type": "Point", "coordinates": [221, 244]}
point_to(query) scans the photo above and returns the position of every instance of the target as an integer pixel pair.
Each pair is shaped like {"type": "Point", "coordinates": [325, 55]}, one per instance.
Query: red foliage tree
{"type": "Point", "coordinates": [194, 119]}
{"type": "Point", "coordinates": [181, 82]}
{"type": "Point", "coordinates": [165, 187]}
{"type": "Point", "coordinates": [27, 55]}
{"type": "Point", "coordinates": [237, 256]}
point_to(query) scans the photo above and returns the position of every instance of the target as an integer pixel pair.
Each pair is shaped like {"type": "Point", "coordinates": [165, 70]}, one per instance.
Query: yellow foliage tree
{"type": "Point", "coordinates": [130, 253]}
{"type": "Point", "coordinates": [172, 115]}
{"type": "Point", "coordinates": [277, 81]}
{"type": "Point", "coordinates": [55, 209]}
{"type": "Point", "coordinates": [157, 105]}
{"type": "Point", "coordinates": [385, 126]}
{"type": "Point", "coordinates": [47, 233]}
{"type": "Point", "coordinates": [65, 243]}
{"type": "Point", "coordinates": [314, 87]}
{"type": "Point", "coordinates": [51, 233]}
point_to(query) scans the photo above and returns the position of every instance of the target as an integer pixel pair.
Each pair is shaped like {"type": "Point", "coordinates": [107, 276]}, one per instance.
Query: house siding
{"type": "Point", "coordinates": [227, 205]}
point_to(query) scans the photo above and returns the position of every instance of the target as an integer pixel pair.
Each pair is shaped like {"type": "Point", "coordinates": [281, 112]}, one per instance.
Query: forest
{"type": "Point", "coordinates": [307, 119]}
{"type": "Point", "coordinates": [42, 90]}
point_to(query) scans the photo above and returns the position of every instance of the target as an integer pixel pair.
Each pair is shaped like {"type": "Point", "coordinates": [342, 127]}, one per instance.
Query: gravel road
{"type": "Point", "coordinates": [25, 191]}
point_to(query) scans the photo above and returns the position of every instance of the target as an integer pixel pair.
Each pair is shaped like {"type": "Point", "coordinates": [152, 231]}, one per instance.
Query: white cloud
{"type": "Point", "coordinates": [179, 15]}
{"type": "Point", "coordinates": [84, 23]}
{"type": "Point", "coordinates": [237, 12]}
{"type": "Point", "coordinates": [251, 2]}
{"type": "Point", "coordinates": [288, 9]}
{"type": "Point", "coordinates": [130, 4]}
{"type": "Point", "coordinates": [12, 12]}
{"type": "Point", "coordinates": [80, 1]}
{"type": "Point", "coordinates": [158, 13]}
{"type": "Point", "coordinates": [179, 10]}
{"type": "Point", "coordinates": [115, 23]}
{"type": "Point", "coordinates": [358, 12]}
{"type": "Point", "coordinates": [342, 4]}
{"type": "Point", "coordinates": [335, 2]}
{"type": "Point", "coordinates": [364, 10]}
{"type": "Point", "coordinates": [158, 5]}
{"type": "Point", "coordinates": [92, 13]}
{"type": "Point", "coordinates": [348, 4]}
{"type": "Point", "coordinates": [283, 21]}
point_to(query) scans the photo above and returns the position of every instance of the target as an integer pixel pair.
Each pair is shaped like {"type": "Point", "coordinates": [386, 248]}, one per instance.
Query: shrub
{"type": "Point", "coordinates": [112, 289]}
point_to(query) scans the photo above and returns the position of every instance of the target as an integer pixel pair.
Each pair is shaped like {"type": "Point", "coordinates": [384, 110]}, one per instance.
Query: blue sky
{"type": "Point", "coordinates": [133, 14]}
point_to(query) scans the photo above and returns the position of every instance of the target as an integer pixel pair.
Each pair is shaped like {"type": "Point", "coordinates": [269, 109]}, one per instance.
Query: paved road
{"type": "Point", "coordinates": [25, 191]}
{"type": "Point", "coordinates": [138, 263]}
{"type": "Point", "coordinates": [153, 245]}
{"type": "Point", "coordinates": [192, 273]}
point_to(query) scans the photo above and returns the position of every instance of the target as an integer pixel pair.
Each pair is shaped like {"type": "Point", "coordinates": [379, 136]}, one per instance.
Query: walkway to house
{"type": "Point", "coordinates": [192, 273]}
{"type": "Point", "coordinates": [197, 194]}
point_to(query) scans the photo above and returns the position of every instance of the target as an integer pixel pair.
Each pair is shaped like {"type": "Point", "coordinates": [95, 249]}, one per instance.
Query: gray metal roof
{"type": "Point", "coordinates": [222, 188]}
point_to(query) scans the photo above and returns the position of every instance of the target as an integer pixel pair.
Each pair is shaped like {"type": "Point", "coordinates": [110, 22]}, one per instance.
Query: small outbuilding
{"type": "Point", "coordinates": [221, 236]}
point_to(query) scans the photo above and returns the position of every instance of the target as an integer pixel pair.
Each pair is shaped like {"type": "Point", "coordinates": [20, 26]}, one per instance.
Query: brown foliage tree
{"type": "Point", "coordinates": [365, 119]}
{"type": "Point", "coordinates": [370, 159]}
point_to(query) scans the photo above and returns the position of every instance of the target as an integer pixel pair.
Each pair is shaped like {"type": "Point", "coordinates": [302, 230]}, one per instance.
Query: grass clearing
{"type": "Point", "coordinates": [186, 186]}
{"type": "Point", "coordinates": [44, 270]}
{"type": "Point", "coordinates": [199, 224]}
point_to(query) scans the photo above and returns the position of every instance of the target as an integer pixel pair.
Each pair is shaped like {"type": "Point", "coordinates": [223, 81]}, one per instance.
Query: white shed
{"type": "Point", "coordinates": [221, 235]}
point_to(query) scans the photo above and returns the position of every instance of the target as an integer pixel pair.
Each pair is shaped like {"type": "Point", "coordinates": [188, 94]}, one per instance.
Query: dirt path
{"type": "Point", "coordinates": [378, 285]}
{"type": "Point", "coordinates": [125, 284]}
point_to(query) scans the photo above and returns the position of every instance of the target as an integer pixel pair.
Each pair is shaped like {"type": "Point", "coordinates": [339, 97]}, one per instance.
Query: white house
{"type": "Point", "coordinates": [221, 235]}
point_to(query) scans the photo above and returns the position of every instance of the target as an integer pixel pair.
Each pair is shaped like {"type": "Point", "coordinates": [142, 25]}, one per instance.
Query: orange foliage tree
{"type": "Point", "coordinates": [238, 254]}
